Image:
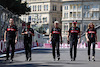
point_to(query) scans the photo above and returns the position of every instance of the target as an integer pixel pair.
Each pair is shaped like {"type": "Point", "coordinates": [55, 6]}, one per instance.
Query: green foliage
{"type": "Point", "coordinates": [15, 6]}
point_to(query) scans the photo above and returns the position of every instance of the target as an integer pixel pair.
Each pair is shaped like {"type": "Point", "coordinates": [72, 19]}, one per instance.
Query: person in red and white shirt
{"type": "Point", "coordinates": [72, 38]}
{"type": "Point", "coordinates": [55, 37]}
{"type": "Point", "coordinates": [91, 36]}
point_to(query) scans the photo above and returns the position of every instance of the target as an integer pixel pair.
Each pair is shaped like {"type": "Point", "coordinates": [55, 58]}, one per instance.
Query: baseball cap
{"type": "Point", "coordinates": [56, 22]}
{"type": "Point", "coordinates": [75, 22]}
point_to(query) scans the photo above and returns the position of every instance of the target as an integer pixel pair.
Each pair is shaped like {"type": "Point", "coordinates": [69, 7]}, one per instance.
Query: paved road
{"type": "Point", "coordinates": [43, 58]}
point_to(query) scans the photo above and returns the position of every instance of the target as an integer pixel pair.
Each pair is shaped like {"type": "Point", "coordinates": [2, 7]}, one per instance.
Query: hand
{"type": "Point", "coordinates": [61, 41]}
{"type": "Point", "coordinates": [15, 41]}
{"type": "Point", "coordinates": [4, 40]}
{"type": "Point", "coordinates": [88, 40]}
{"type": "Point", "coordinates": [68, 41]}
{"type": "Point", "coordinates": [25, 32]}
{"type": "Point", "coordinates": [49, 40]}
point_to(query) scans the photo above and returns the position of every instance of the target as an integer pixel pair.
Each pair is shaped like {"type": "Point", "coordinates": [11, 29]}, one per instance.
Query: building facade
{"type": "Point", "coordinates": [84, 11]}
{"type": "Point", "coordinates": [43, 13]}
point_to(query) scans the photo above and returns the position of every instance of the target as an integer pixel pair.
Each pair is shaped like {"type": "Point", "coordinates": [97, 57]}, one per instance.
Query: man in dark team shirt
{"type": "Point", "coordinates": [73, 33]}
{"type": "Point", "coordinates": [12, 34]}
{"type": "Point", "coordinates": [56, 36]}
{"type": "Point", "coordinates": [28, 33]}
{"type": "Point", "coordinates": [91, 36]}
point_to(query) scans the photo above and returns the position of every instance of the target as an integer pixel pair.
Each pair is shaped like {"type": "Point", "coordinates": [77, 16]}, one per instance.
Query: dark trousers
{"type": "Point", "coordinates": [12, 43]}
{"type": "Point", "coordinates": [73, 44]}
{"type": "Point", "coordinates": [28, 45]}
{"type": "Point", "coordinates": [55, 44]}
{"type": "Point", "coordinates": [89, 48]}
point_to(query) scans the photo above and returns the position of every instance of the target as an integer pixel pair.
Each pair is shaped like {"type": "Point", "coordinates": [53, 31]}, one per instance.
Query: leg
{"type": "Point", "coordinates": [71, 49]}
{"type": "Point", "coordinates": [57, 47]}
{"type": "Point", "coordinates": [7, 49]}
{"type": "Point", "coordinates": [26, 50]}
{"type": "Point", "coordinates": [29, 51]}
{"type": "Point", "coordinates": [75, 50]}
{"type": "Point", "coordinates": [58, 52]}
{"type": "Point", "coordinates": [53, 49]}
{"type": "Point", "coordinates": [93, 52]}
{"type": "Point", "coordinates": [13, 48]}
{"type": "Point", "coordinates": [89, 49]}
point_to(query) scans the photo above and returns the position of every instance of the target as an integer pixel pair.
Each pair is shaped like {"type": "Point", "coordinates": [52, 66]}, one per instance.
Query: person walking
{"type": "Point", "coordinates": [28, 33]}
{"type": "Point", "coordinates": [73, 35]}
{"type": "Point", "coordinates": [12, 34]}
{"type": "Point", "coordinates": [91, 37]}
{"type": "Point", "coordinates": [54, 38]}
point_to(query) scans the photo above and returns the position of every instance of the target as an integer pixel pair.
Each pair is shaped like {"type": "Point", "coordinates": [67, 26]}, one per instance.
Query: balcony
{"type": "Point", "coordinates": [95, 18]}
{"type": "Point", "coordinates": [95, 9]}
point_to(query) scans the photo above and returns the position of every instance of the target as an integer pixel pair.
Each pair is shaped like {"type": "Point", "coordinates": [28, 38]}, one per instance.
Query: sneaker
{"type": "Point", "coordinates": [58, 58]}
{"type": "Point", "coordinates": [93, 59]}
{"type": "Point", "coordinates": [89, 58]}
{"type": "Point", "coordinates": [71, 59]}
{"type": "Point", "coordinates": [29, 59]}
{"type": "Point", "coordinates": [7, 60]}
{"type": "Point", "coordinates": [11, 60]}
{"type": "Point", "coordinates": [74, 59]}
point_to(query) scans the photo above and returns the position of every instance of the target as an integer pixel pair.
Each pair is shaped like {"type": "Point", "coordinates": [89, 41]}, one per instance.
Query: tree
{"type": "Point", "coordinates": [15, 6]}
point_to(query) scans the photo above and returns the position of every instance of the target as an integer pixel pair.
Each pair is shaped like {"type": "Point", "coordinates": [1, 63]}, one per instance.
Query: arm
{"type": "Point", "coordinates": [16, 35]}
{"type": "Point", "coordinates": [68, 37]}
{"type": "Point", "coordinates": [23, 32]}
{"type": "Point", "coordinates": [61, 38]}
{"type": "Point", "coordinates": [32, 32]}
{"type": "Point", "coordinates": [86, 35]}
{"type": "Point", "coordinates": [79, 38]}
{"type": "Point", "coordinates": [5, 36]}
{"type": "Point", "coordinates": [96, 37]}
{"type": "Point", "coordinates": [50, 37]}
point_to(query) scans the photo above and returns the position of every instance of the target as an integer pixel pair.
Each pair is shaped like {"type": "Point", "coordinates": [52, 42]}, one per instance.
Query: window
{"type": "Point", "coordinates": [53, 19]}
{"type": "Point", "coordinates": [65, 15]}
{"type": "Point", "coordinates": [33, 20]}
{"type": "Point", "coordinates": [29, 19]}
{"type": "Point", "coordinates": [85, 15]}
{"type": "Point", "coordinates": [61, 8]}
{"type": "Point", "coordinates": [33, 8]}
{"type": "Point", "coordinates": [44, 19]}
{"type": "Point", "coordinates": [45, 7]}
{"type": "Point", "coordinates": [71, 6]}
{"type": "Point", "coordinates": [54, 7]}
{"type": "Point", "coordinates": [39, 7]}
{"type": "Point", "coordinates": [74, 15]}
{"type": "Point", "coordinates": [88, 14]}
{"type": "Point", "coordinates": [85, 7]}
{"type": "Point", "coordinates": [78, 15]}
{"type": "Point", "coordinates": [74, 7]}
{"type": "Point", "coordinates": [67, 7]}
{"type": "Point", "coordinates": [70, 14]}
{"type": "Point", "coordinates": [88, 7]}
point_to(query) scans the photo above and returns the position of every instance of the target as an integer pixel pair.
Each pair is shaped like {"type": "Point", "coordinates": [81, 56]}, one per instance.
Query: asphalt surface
{"type": "Point", "coordinates": [43, 58]}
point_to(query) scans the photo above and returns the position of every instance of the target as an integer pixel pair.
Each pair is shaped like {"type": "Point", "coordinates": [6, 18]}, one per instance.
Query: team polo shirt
{"type": "Point", "coordinates": [73, 32]}
{"type": "Point", "coordinates": [56, 32]}
{"type": "Point", "coordinates": [11, 31]}
{"type": "Point", "coordinates": [91, 34]}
